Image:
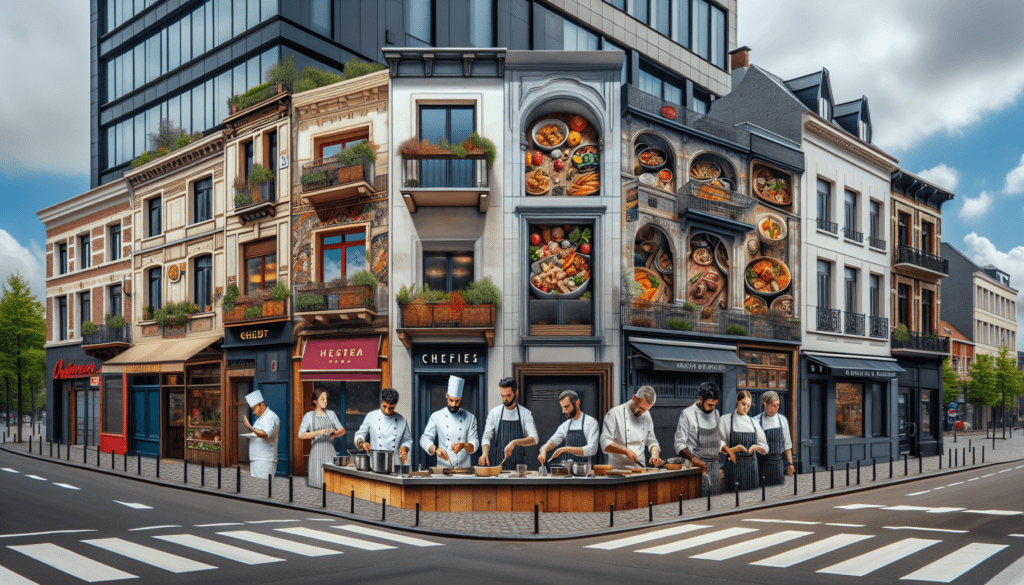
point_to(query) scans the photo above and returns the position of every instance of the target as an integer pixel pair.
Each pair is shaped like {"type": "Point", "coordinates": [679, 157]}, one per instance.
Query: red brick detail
{"type": "Point", "coordinates": [49, 264]}
{"type": "Point", "coordinates": [97, 231]}
{"type": "Point", "coordinates": [98, 299]}
{"type": "Point", "coordinates": [126, 234]}
{"type": "Point", "coordinates": [126, 220]}
{"type": "Point", "coordinates": [90, 273]}
{"type": "Point", "coordinates": [50, 308]}
{"type": "Point", "coordinates": [78, 222]}
{"type": "Point", "coordinates": [71, 251]}
{"type": "Point", "coordinates": [97, 245]}
{"type": "Point", "coordinates": [126, 305]}
{"type": "Point", "coordinates": [740, 59]}
{"type": "Point", "coordinates": [49, 247]}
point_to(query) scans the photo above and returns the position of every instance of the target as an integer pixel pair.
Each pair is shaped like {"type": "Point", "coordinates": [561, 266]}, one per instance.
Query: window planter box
{"type": "Point", "coordinates": [478, 316]}
{"type": "Point", "coordinates": [271, 310]}
{"type": "Point", "coordinates": [323, 303]}
{"type": "Point", "coordinates": [174, 331]}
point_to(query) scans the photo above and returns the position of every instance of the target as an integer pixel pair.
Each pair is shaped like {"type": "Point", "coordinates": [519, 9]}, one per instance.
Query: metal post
{"type": "Point", "coordinates": [983, 454]}
{"type": "Point", "coordinates": [51, 449]}
{"type": "Point", "coordinates": [737, 494]}
{"type": "Point", "coordinates": [323, 495]}
{"type": "Point", "coordinates": [30, 447]}
{"type": "Point", "coordinates": [920, 463]}
{"type": "Point", "coordinates": [611, 514]}
{"type": "Point", "coordinates": [138, 462]}
{"type": "Point", "coordinates": [185, 473]}
{"type": "Point", "coordinates": [847, 474]}
{"type": "Point", "coordinates": [762, 487]}
{"type": "Point", "coordinates": [680, 504]}
{"type": "Point", "coordinates": [949, 459]}
{"type": "Point", "coordinates": [650, 511]}
{"type": "Point", "coordinates": [954, 432]}
{"type": "Point", "coordinates": [905, 464]}
{"type": "Point", "coordinates": [974, 457]}
{"type": "Point", "coordinates": [795, 482]}
{"type": "Point", "coordinates": [270, 486]}
{"type": "Point", "coordinates": [956, 460]}
{"type": "Point", "coordinates": [384, 508]}
{"type": "Point", "coordinates": [352, 502]}
{"type": "Point", "coordinates": [832, 473]}
{"type": "Point", "coordinates": [67, 456]}
{"type": "Point", "coordinates": [709, 497]}
{"type": "Point", "coordinates": [874, 470]}
{"type": "Point", "coordinates": [964, 457]}
{"type": "Point", "coordinates": [158, 467]}
{"type": "Point", "coordinates": [202, 473]}
{"type": "Point", "coordinates": [97, 455]}
{"type": "Point", "coordinates": [858, 472]}
{"type": "Point", "coordinates": [238, 478]}
{"type": "Point", "coordinates": [290, 488]}
{"type": "Point", "coordinates": [993, 439]}
{"type": "Point", "coordinates": [814, 479]}
{"type": "Point", "coordinates": [126, 461]}
{"type": "Point", "coordinates": [417, 514]}
{"type": "Point", "coordinates": [536, 518]}
{"type": "Point", "coordinates": [218, 475]}
{"type": "Point", "coordinates": [85, 454]}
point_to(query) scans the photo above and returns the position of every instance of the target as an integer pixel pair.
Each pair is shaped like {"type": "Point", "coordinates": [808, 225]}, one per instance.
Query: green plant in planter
{"type": "Point", "coordinates": [432, 296]}
{"type": "Point", "coordinates": [314, 178]}
{"type": "Point", "coordinates": [736, 330]}
{"type": "Point", "coordinates": [405, 295]}
{"type": "Point", "coordinates": [88, 328]}
{"type": "Point", "coordinates": [115, 322]}
{"type": "Point", "coordinates": [412, 183]}
{"type": "Point", "coordinates": [485, 143]}
{"type": "Point", "coordinates": [308, 302]}
{"type": "Point", "coordinates": [279, 292]}
{"type": "Point", "coordinates": [354, 155]}
{"type": "Point", "coordinates": [688, 306]}
{"type": "Point", "coordinates": [901, 333]}
{"type": "Point", "coordinates": [483, 292]}
{"type": "Point", "coordinates": [678, 324]}
{"type": "Point", "coordinates": [934, 335]}
{"type": "Point", "coordinates": [228, 302]}
{"type": "Point", "coordinates": [356, 68]}
{"type": "Point", "coordinates": [732, 215]}
{"type": "Point", "coordinates": [144, 158]}
{"type": "Point", "coordinates": [260, 176]}
{"type": "Point", "coordinates": [365, 278]}
{"type": "Point", "coordinates": [253, 313]}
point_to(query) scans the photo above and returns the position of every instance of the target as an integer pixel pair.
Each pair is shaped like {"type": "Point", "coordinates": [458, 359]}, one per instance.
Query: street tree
{"type": "Point", "coordinates": [981, 386]}
{"type": "Point", "coordinates": [951, 384]}
{"type": "Point", "coordinates": [22, 336]}
{"type": "Point", "coordinates": [1007, 381]}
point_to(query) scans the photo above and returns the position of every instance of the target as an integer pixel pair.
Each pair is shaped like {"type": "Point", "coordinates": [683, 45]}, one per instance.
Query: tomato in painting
{"type": "Point", "coordinates": [538, 158]}
{"type": "Point", "coordinates": [584, 248]}
{"type": "Point", "coordinates": [534, 239]}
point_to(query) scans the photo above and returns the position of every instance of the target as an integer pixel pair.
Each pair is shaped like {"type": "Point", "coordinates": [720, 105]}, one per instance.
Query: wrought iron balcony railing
{"type": "Point", "coordinates": [827, 319]}
{"type": "Point", "coordinates": [921, 259]}
{"type": "Point", "coordinates": [918, 341]}
{"type": "Point", "coordinates": [854, 323]}
{"type": "Point", "coordinates": [829, 226]}
{"type": "Point", "coordinates": [879, 327]}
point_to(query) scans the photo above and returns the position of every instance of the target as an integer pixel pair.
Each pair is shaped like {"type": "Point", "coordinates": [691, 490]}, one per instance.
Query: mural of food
{"type": "Point", "coordinates": [708, 272]}
{"type": "Point", "coordinates": [560, 261]}
{"type": "Point", "coordinates": [653, 265]}
{"type": "Point", "coordinates": [563, 158]}
{"type": "Point", "coordinates": [772, 185]}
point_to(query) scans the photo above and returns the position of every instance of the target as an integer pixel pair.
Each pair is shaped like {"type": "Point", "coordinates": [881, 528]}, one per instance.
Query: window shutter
{"type": "Point", "coordinates": [260, 248]}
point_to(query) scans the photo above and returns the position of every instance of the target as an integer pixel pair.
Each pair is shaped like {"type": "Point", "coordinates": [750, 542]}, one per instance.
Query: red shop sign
{"type": "Point", "coordinates": [61, 372]}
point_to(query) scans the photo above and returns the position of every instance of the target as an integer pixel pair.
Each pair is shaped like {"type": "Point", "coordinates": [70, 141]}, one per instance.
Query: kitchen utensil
{"type": "Point", "coordinates": [602, 470]}
{"type": "Point", "coordinates": [342, 460]}
{"type": "Point", "coordinates": [361, 461]}
{"type": "Point", "coordinates": [403, 469]}
{"type": "Point", "coordinates": [490, 471]}
{"type": "Point", "coordinates": [457, 471]}
{"type": "Point", "coordinates": [542, 471]}
{"type": "Point", "coordinates": [420, 474]}
{"type": "Point", "coordinates": [673, 466]}
{"type": "Point", "coordinates": [521, 470]}
{"type": "Point", "coordinates": [580, 468]}
{"type": "Point", "coordinates": [437, 469]}
{"type": "Point", "coordinates": [560, 471]}
{"type": "Point", "coordinates": [382, 461]}
{"type": "Point", "coordinates": [503, 461]}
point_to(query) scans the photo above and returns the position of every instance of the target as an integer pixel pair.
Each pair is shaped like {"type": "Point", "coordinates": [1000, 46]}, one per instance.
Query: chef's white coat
{"type": "Point", "coordinates": [691, 420]}
{"type": "Point", "coordinates": [263, 452]}
{"type": "Point", "coordinates": [620, 426]}
{"type": "Point", "coordinates": [500, 413]}
{"type": "Point", "coordinates": [446, 428]}
{"type": "Point", "coordinates": [771, 422]}
{"type": "Point", "coordinates": [743, 424]}
{"type": "Point", "coordinates": [385, 432]}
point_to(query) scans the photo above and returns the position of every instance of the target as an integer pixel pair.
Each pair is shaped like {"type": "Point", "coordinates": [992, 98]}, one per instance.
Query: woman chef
{"type": "Point", "coordinates": [776, 432]}
{"type": "Point", "coordinates": [743, 439]}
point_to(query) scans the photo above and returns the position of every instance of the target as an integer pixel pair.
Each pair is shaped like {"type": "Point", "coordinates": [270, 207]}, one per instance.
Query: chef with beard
{"type": "Point", "coordinates": [263, 440]}
{"type": "Point", "coordinates": [628, 429]}
{"type": "Point", "coordinates": [697, 438]}
{"type": "Point", "coordinates": [453, 429]}
{"type": "Point", "coordinates": [579, 432]}
{"type": "Point", "coordinates": [508, 426]}
{"type": "Point", "coordinates": [385, 429]}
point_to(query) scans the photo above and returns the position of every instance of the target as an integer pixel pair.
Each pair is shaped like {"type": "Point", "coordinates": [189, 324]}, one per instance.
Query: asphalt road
{"type": "Point", "coordinates": [936, 530]}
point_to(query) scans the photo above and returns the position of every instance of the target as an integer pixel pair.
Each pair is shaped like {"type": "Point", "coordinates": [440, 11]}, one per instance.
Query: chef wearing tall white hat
{"type": "Point", "coordinates": [452, 429]}
{"type": "Point", "coordinates": [263, 446]}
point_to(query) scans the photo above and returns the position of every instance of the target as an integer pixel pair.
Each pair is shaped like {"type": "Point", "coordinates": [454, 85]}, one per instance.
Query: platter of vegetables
{"type": "Point", "coordinates": [560, 268]}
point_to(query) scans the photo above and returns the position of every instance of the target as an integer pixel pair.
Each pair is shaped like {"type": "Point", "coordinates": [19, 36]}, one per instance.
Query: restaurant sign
{"type": "Point", "coordinates": [62, 372]}
{"type": "Point", "coordinates": [254, 334]}
{"type": "Point", "coordinates": [444, 357]}
{"type": "Point", "coordinates": [858, 373]}
{"type": "Point", "coordinates": [699, 367]}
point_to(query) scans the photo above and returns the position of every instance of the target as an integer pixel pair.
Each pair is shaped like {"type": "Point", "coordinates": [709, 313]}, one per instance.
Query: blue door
{"type": "Point", "coordinates": [145, 431]}
{"type": "Point", "coordinates": [275, 396]}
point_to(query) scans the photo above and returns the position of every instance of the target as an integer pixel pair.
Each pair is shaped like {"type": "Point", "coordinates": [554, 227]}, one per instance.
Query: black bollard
{"type": "Point", "coordinates": [218, 475]}
{"type": "Point", "coordinates": [832, 473]}
{"type": "Point", "coordinates": [85, 454]}
{"type": "Point", "coordinates": [111, 459]}
{"type": "Point", "coordinates": [138, 462]}
{"type": "Point", "coordinates": [680, 504]}
{"type": "Point", "coordinates": [709, 497]}
{"type": "Point", "coordinates": [352, 502]}
{"type": "Point", "coordinates": [983, 454]}
{"type": "Point", "coordinates": [920, 463]}
{"type": "Point", "coordinates": [956, 460]}
{"type": "Point", "coordinates": [125, 462]}
{"type": "Point", "coordinates": [536, 518]}
{"type": "Point", "coordinates": [954, 433]}
{"type": "Point", "coordinates": [650, 511]}
{"type": "Point", "coordinates": [41, 446]}
{"type": "Point", "coordinates": [874, 470]}
{"type": "Point", "coordinates": [323, 495]}
{"type": "Point", "coordinates": [949, 459]}
{"type": "Point", "coordinates": [58, 451]}
{"type": "Point", "coordinates": [847, 474]}
{"type": "Point", "coordinates": [290, 488]}
{"type": "Point", "coordinates": [67, 456]}
{"type": "Point", "coordinates": [974, 457]}
{"type": "Point", "coordinates": [969, 446]}
{"type": "Point", "coordinates": [51, 449]}
{"type": "Point", "coordinates": [763, 482]}
{"type": "Point", "coordinates": [905, 464]}
{"type": "Point", "coordinates": [814, 480]}
{"type": "Point", "coordinates": [858, 472]}
{"type": "Point", "coordinates": [158, 467]}
{"type": "Point", "coordinates": [238, 479]}
{"type": "Point", "coordinates": [202, 474]}
{"type": "Point", "coordinates": [993, 439]}
{"type": "Point", "coordinates": [964, 458]}
{"type": "Point", "coordinates": [270, 487]}
{"type": "Point", "coordinates": [795, 482]}
{"type": "Point", "coordinates": [185, 473]}
{"type": "Point", "coordinates": [30, 447]}
{"type": "Point", "coordinates": [737, 494]}
{"type": "Point", "coordinates": [384, 508]}
{"type": "Point", "coordinates": [417, 514]}
{"type": "Point", "coordinates": [97, 455]}
{"type": "Point", "coordinates": [611, 514]}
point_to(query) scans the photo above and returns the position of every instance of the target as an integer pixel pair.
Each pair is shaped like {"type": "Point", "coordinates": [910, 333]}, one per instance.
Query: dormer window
{"type": "Point", "coordinates": [864, 131]}
{"type": "Point", "coordinates": [825, 108]}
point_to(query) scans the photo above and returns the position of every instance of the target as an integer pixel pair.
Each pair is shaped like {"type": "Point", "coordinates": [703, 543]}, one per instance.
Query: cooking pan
{"type": "Point", "coordinates": [491, 471]}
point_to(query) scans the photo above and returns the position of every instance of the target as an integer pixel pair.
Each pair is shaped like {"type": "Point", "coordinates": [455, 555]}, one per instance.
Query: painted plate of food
{"type": "Point", "coordinates": [538, 182]}
{"type": "Point", "coordinates": [754, 304]}
{"type": "Point", "coordinates": [771, 229]}
{"type": "Point", "coordinates": [767, 276]}
{"type": "Point", "coordinates": [704, 171]}
{"type": "Point", "coordinates": [550, 134]}
{"type": "Point", "coordinates": [585, 158]}
{"type": "Point", "coordinates": [784, 304]}
{"type": "Point", "coordinates": [651, 159]}
{"type": "Point", "coordinates": [702, 256]}
{"type": "Point", "coordinates": [772, 187]}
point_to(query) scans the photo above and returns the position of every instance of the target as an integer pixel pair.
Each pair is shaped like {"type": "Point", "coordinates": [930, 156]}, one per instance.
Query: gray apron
{"type": "Point", "coordinates": [745, 468]}
{"type": "Point", "coordinates": [508, 431]}
{"type": "Point", "coordinates": [575, 438]}
{"type": "Point", "coordinates": [708, 450]}
{"type": "Point", "coordinates": [321, 451]}
{"type": "Point", "coordinates": [771, 464]}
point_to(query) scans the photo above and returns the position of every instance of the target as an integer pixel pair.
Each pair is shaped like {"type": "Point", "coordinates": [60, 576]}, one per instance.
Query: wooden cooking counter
{"type": "Point", "coordinates": [507, 493]}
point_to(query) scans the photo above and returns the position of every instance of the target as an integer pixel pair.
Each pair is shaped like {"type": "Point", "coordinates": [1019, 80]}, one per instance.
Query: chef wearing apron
{"type": "Point", "coordinates": [628, 429]}
{"type": "Point", "coordinates": [386, 429]}
{"type": "Point", "coordinates": [453, 429]}
{"type": "Point", "coordinates": [697, 438]}
{"type": "Point", "coordinates": [263, 446]}
{"type": "Point", "coordinates": [509, 427]}
{"type": "Point", "coordinates": [776, 432]}
{"type": "Point", "coordinates": [743, 438]}
{"type": "Point", "coordinates": [579, 432]}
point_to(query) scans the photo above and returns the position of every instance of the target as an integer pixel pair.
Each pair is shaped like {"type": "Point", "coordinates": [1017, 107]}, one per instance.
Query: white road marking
{"type": "Point", "coordinates": [813, 550]}
{"type": "Point", "coordinates": [219, 549]}
{"type": "Point", "coordinates": [9, 470]}
{"type": "Point", "coordinates": [321, 519]}
{"type": "Point", "coordinates": [975, 479]}
{"type": "Point", "coordinates": [956, 563]}
{"type": "Point", "coordinates": [8, 577]}
{"type": "Point", "coordinates": [154, 527]}
{"type": "Point", "coordinates": [696, 541]}
{"type": "Point", "coordinates": [150, 556]}
{"type": "Point", "coordinates": [72, 563]}
{"type": "Point", "coordinates": [748, 546]}
{"type": "Point", "coordinates": [36, 477]}
{"type": "Point", "coordinates": [1003, 471]}
{"type": "Point", "coordinates": [925, 529]}
{"type": "Point", "coordinates": [995, 512]}
{"type": "Point", "coordinates": [1012, 575]}
{"type": "Point", "coordinates": [219, 524]}
{"type": "Point", "coordinates": [335, 538]}
{"type": "Point", "coordinates": [919, 493]}
{"type": "Point", "coordinates": [878, 558]}
{"type": "Point", "coordinates": [1018, 535]}
{"type": "Point", "coordinates": [388, 535]}
{"type": "Point", "coordinates": [940, 488]}
{"type": "Point", "coordinates": [299, 548]}
{"type": "Point", "coordinates": [134, 505]}
{"type": "Point", "coordinates": [858, 506]}
{"type": "Point", "coordinates": [268, 521]}
{"type": "Point", "coordinates": [908, 508]}
{"type": "Point", "coordinates": [48, 532]}
{"type": "Point", "coordinates": [65, 486]}
{"type": "Point", "coordinates": [945, 510]}
{"type": "Point", "coordinates": [953, 484]}
{"type": "Point", "coordinates": [648, 536]}
{"type": "Point", "coordinates": [989, 475]}
{"type": "Point", "coordinates": [779, 521]}
{"type": "Point", "coordinates": [845, 525]}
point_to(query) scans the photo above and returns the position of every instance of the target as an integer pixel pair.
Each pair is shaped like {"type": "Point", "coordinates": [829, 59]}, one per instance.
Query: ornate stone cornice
{"type": "Point", "coordinates": [849, 144]}
{"type": "Point", "coordinates": [176, 160]}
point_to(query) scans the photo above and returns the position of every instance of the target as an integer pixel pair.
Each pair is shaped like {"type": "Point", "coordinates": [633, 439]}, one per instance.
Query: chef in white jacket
{"type": "Point", "coordinates": [452, 429]}
{"type": "Point", "coordinates": [628, 429]}
{"type": "Point", "coordinates": [262, 447]}
{"type": "Point", "coordinates": [386, 429]}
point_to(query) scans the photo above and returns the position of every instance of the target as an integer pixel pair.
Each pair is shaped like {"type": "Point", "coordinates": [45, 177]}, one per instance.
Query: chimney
{"type": "Point", "coordinates": [739, 63]}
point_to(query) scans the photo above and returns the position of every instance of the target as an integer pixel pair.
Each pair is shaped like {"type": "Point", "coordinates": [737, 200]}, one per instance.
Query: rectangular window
{"type": "Point", "coordinates": [824, 200]}
{"type": "Point", "coordinates": [62, 318]}
{"type": "Point", "coordinates": [481, 23]}
{"type": "Point", "coordinates": [271, 163]}
{"type": "Point", "coordinates": [203, 291]}
{"type": "Point", "coordinates": [222, 21]}
{"type": "Point", "coordinates": [447, 271]}
{"type": "Point", "coordinates": [419, 19]}
{"type": "Point", "coordinates": [341, 255]}
{"type": "Point", "coordinates": [851, 290]}
{"type": "Point", "coordinates": [701, 28]}
{"type": "Point", "coordinates": [903, 304]}
{"type": "Point", "coordinates": [84, 252]}
{"type": "Point", "coordinates": [85, 307]}
{"type": "Point", "coordinates": [116, 306]}
{"type": "Point", "coordinates": [877, 410]}
{"type": "Point", "coordinates": [928, 237]}
{"type": "Point", "coordinates": [186, 38]}
{"type": "Point", "coordinates": [155, 221]}
{"type": "Point", "coordinates": [620, 4]}
{"type": "Point", "coordinates": [453, 125]}
{"type": "Point", "coordinates": [640, 10]}
{"type": "Point", "coordinates": [563, 307]}
{"type": "Point", "coordinates": [198, 31]}
{"type": "Point", "coordinates": [825, 284]}
{"type": "Point", "coordinates": [113, 405]}
{"type": "Point", "coordinates": [903, 229]}
{"type": "Point", "coordinates": [701, 101]}
{"type": "Point", "coordinates": [202, 200]}
{"type": "Point", "coordinates": [926, 414]}
{"type": "Point", "coordinates": [173, 46]}
{"type": "Point", "coordinates": [875, 301]}
{"type": "Point", "coordinates": [850, 208]}
{"type": "Point", "coordinates": [681, 22]}
{"type": "Point", "coordinates": [260, 265]}
{"type": "Point", "coordinates": [155, 278]}
{"type": "Point", "coordinates": [62, 258]}
{"type": "Point", "coordinates": [239, 17]}
{"type": "Point", "coordinates": [332, 146]}
{"type": "Point", "coordinates": [849, 410]}
{"type": "Point", "coordinates": [577, 38]}
{"type": "Point", "coordinates": [253, 14]}
{"type": "Point", "coordinates": [606, 45]}
{"type": "Point", "coordinates": [114, 235]}
{"type": "Point", "coordinates": [717, 48]}
{"type": "Point", "coordinates": [662, 18]}
{"type": "Point", "coordinates": [320, 19]}
{"type": "Point", "coordinates": [927, 311]}
{"type": "Point", "coordinates": [247, 160]}
{"type": "Point", "coordinates": [875, 220]}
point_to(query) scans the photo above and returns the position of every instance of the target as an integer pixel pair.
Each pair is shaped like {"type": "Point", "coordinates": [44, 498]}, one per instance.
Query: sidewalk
{"type": "Point", "coordinates": [518, 525]}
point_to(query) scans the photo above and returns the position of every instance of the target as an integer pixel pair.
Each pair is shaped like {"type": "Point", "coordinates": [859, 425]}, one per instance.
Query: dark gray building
{"type": "Point", "coordinates": [181, 60]}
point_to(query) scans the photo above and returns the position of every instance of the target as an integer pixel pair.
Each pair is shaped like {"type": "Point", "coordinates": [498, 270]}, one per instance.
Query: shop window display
{"type": "Point", "coordinates": [560, 266]}
{"type": "Point", "coordinates": [203, 432]}
{"type": "Point", "coordinates": [564, 158]}
{"type": "Point", "coordinates": [849, 410]}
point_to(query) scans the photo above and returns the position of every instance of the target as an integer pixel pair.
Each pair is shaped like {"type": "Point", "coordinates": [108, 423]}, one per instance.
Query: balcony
{"type": "Point", "coordinates": [107, 342]}
{"type": "Point", "coordinates": [441, 180]}
{"type": "Point", "coordinates": [324, 304]}
{"type": "Point", "coordinates": [255, 204]}
{"type": "Point", "coordinates": [879, 327]}
{"type": "Point", "coordinates": [444, 320]}
{"type": "Point", "coordinates": [327, 181]}
{"type": "Point", "coordinates": [877, 243]}
{"type": "Point", "coordinates": [249, 310]}
{"type": "Point", "coordinates": [920, 263]}
{"type": "Point", "coordinates": [827, 226]}
{"type": "Point", "coordinates": [667, 317]}
{"type": "Point", "coordinates": [916, 342]}
{"type": "Point", "coordinates": [853, 323]}
{"type": "Point", "coordinates": [853, 235]}
{"type": "Point", "coordinates": [716, 206]}
{"type": "Point", "coordinates": [827, 320]}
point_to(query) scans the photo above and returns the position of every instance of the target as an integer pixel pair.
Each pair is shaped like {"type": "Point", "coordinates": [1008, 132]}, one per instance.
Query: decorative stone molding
{"type": "Point", "coordinates": [848, 144]}
{"type": "Point", "coordinates": [175, 161]}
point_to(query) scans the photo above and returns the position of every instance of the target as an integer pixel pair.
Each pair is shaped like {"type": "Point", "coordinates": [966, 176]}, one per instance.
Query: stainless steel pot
{"type": "Point", "coordinates": [403, 469]}
{"type": "Point", "coordinates": [580, 469]}
{"type": "Point", "coordinates": [382, 461]}
{"type": "Point", "coordinates": [342, 460]}
{"type": "Point", "coordinates": [361, 461]}
{"type": "Point", "coordinates": [560, 471]}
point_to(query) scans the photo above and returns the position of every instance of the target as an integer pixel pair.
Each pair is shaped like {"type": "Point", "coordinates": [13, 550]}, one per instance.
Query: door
{"type": "Point", "coordinates": [432, 397]}
{"type": "Point", "coordinates": [242, 411]}
{"type": "Point", "coordinates": [904, 420]}
{"type": "Point", "coordinates": [145, 431]}
{"type": "Point", "coordinates": [174, 439]}
{"type": "Point", "coordinates": [540, 395]}
{"type": "Point", "coordinates": [275, 396]}
{"type": "Point", "coordinates": [819, 415]}
{"type": "Point", "coordinates": [86, 414]}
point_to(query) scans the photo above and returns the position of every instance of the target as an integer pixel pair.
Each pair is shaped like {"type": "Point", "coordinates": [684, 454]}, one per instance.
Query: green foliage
{"type": "Point", "coordinates": [88, 328]}
{"type": "Point", "coordinates": [314, 177]}
{"type": "Point", "coordinates": [901, 333]}
{"type": "Point", "coordinates": [253, 96]}
{"type": "Point", "coordinates": [22, 336]}
{"type": "Point", "coordinates": [354, 155]}
{"type": "Point", "coordinates": [115, 322]}
{"type": "Point", "coordinates": [307, 302]}
{"type": "Point", "coordinates": [412, 183]}
{"type": "Point", "coordinates": [489, 150]}
{"type": "Point", "coordinates": [184, 140]}
{"type": "Point", "coordinates": [736, 330]}
{"type": "Point", "coordinates": [243, 199]}
{"type": "Point", "coordinates": [365, 278]}
{"type": "Point", "coordinates": [981, 386]}
{"type": "Point", "coordinates": [166, 136]}
{"type": "Point", "coordinates": [483, 292]}
{"type": "Point", "coordinates": [312, 78]}
{"type": "Point", "coordinates": [253, 313]}
{"type": "Point", "coordinates": [1007, 379]}
{"type": "Point", "coordinates": [279, 292]}
{"type": "Point", "coordinates": [260, 176]}
{"type": "Point", "coordinates": [231, 293]}
{"type": "Point", "coordinates": [175, 314]}
{"type": "Point", "coordinates": [586, 296]}
{"type": "Point", "coordinates": [459, 151]}
{"type": "Point", "coordinates": [654, 281]}
{"type": "Point", "coordinates": [144, 158]}
{"type": "Point", "coordinates": [405, 295]}
{"type": "Point", "coordinates": [951, 384]}
{"type": "Point", "coordinates": [284, 72]}
{"type": "Point", "coordinates": [688, 306]}
{"type": "Point", "coordinates": [679, 324]}
{"type": "Point", "coordinates": [356, 68]}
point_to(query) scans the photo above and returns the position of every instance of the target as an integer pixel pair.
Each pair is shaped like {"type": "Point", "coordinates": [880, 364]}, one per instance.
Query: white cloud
{"type": "Point", "coordinates": [976, 208]}
{"type": "Point", "coordinates": [984, 252]}
{"type": "Point", "coordinates": [30, 264]}
{"type": "Point", "coordinates": [1015, 180]}
{"type": "Point", "coordinates": [925, 66]}
{"type": "Point", "coordinates": [941, 175]}
{"type": "Point", "coordinates": [45, 68]}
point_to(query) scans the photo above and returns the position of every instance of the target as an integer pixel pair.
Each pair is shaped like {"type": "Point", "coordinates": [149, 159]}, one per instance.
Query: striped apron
{"type": "Point", "coordinates": [321, 451]}
{"type": "Point", "coordinates": [745, 468]}
{"type": "Point", "coordinates": [771, 464]}
{"type": "Point", "coordinates": [575, 438]}
{"type": "Point", "coordinates": [708, 450]}
{"type": "Point", "coordinates": [508, 431]}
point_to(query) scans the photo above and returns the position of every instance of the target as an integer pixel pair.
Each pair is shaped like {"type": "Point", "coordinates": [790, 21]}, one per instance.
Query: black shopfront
{"type": "Point", "coordinates": [431, 367]}
{"type": "Point", "coordinates": [919, 409]}
{"type": "Point", "coordinates": [72, 399]}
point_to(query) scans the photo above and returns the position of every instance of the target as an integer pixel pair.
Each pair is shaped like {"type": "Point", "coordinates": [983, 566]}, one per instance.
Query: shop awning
{"type": "Point", "coordinates": [162, 356]}
{"type": "Point", "coordinates": [857, 367]}
{"type": "Point", "coordinates": [345, 360]}
{"type": "Point", "coordinates": [680, 356]}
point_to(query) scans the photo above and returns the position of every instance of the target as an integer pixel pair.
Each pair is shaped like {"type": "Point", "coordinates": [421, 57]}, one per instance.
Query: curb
{"type": "Point", "coordinates": [521, 537]}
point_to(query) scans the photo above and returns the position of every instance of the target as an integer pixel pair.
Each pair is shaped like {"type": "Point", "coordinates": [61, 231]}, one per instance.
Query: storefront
{"type": "Point", "coordinates": [919, 408]}
{"type": "Point", "coordinates": [257, 359]}
{"type": "Point", "coordinates": [431, 366]}
{"type": "Point", "coordinates": [850, 405]}
{"type": "Point", "coordinates": [73, 417]}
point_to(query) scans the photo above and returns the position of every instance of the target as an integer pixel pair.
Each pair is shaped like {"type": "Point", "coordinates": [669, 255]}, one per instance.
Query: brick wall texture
{"type": "Point", "coordinates": [78, 222]}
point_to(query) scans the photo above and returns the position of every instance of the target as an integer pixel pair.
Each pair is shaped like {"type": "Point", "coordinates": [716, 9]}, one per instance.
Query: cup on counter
{"type": "Point", "coordinates": [521, 470]}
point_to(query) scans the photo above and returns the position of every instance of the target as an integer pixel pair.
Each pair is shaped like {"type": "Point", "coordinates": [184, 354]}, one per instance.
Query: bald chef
{"type": "Point", "coordinates": [628, 429]}
{"type": "Point", "coordinates": [454, 430]}
{"type": "Point", "coordinates": [386, 429]}
{"type": "Point", "coordinates": [263, 445]}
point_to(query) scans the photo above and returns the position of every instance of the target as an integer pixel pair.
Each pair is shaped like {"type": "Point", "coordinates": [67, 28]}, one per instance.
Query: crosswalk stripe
{"type": "Point", "coordinates": [134, 505]}
{"type": "Point", "coordinates": [9, 577]}
{"type": "Point", "coordinates": [1012, 575]}
{"type": "Point", "coordinates": [858, 506]}
{"type": "Point", "coordinates": [36, 477]}
{"type": "Point", "coordinates": [72, 563]}
{"type": "Point", "coordinates": [388, 535]}
{"type": "Point", "coordinates": [9, 470]}
{"type": "Point", "coordinates": [772, 521]}
{"type": "Point", "coordinates": [219, 549]}
{"type": "Point", "coordinates": [696, 541]}
{"type": "Point", "coordinates": [995, 512]}
{"type": "Point", "coordinates": [298, 548]}
{"type": "Point", "coordinates": [878, 558]}
{"type": "Point", "coordinates": [335, 538]}
{"type": "Point", "coordinates": [749, 546]}
{"type": "Point", "coordinates": [632, 540]}
{"type": "Point", "coordinates": [65, 486]}
{"type": "Point", "coordinates": [150, 556]}
{"type": "Point", "coordinates": [810, 551]}
{"type": "Point", "coordinates": [956, 563]}
{"type": "Point", "coordinates": [924, 529]}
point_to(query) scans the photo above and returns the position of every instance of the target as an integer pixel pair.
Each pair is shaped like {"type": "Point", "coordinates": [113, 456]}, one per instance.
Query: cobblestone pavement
{"type": "Point", "coordinates": [295, 490]}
